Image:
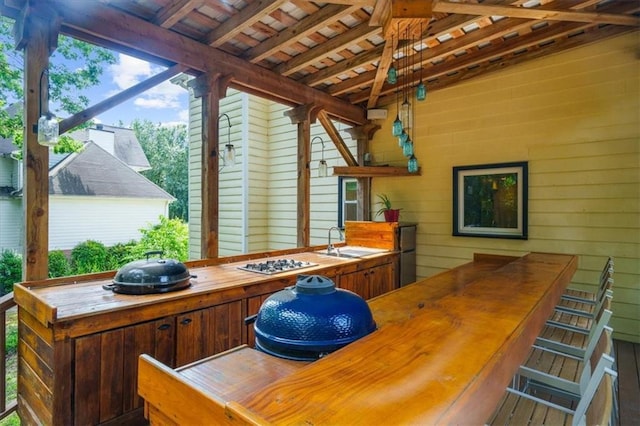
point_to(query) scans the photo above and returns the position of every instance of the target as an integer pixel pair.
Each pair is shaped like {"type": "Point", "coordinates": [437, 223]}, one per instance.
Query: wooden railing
{"type": "Point", "coordinates": [6, 303]}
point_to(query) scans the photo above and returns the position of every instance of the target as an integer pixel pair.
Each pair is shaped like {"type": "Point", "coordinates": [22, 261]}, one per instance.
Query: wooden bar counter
{"type": "Point", "coordinates": [443, 353]}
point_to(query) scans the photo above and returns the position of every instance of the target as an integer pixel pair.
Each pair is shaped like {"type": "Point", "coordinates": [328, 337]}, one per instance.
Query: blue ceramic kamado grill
{"type": "Point", "coordinates": [311, 319]}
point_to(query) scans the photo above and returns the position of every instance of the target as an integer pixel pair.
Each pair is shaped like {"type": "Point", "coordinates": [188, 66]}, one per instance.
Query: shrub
{"type": "Point", "coordinates": [121, 254]}
{"type": "Point", "coordinates": [89, 256]}
{"type": "Point", "coordinates": [170, 236]}
{"type": "Point", "coordinates": [58, 264]}
{"type": "Point", "coordinates": [10, 270]}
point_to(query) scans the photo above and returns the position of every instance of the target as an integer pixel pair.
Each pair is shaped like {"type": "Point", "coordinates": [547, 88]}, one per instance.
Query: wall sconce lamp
{"type": "Point", "coordinates": [229, 154]}
{"type": "Point", "coordinates": [322, 165]}
{"type": "Point", "coordinates": [47, 127]}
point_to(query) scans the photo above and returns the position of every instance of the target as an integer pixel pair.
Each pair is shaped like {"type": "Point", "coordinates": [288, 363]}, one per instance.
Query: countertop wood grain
{"type": "Point", "coordinates": [444, 351]}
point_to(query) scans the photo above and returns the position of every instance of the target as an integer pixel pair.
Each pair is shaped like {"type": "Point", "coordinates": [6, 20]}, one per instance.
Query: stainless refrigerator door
{"type": "Point", "coordinates": [407, 245]}
{"type": "Point", "coordinates": [407, 238]}
{"type": "Point", "coordinates": [407, 267]}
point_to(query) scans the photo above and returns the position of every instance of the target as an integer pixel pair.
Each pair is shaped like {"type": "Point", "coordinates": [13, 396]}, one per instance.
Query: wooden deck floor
{"type": "Point", "coordinates": [628, 363]}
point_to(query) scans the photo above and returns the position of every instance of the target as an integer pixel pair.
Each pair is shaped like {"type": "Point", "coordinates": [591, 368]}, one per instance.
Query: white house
{"type": "Point", "coordinates": [96, 194]}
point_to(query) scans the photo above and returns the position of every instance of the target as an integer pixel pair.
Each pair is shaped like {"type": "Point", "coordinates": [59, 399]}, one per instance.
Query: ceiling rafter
{"type": "Point", "coordinates": [498, 48]}
{"type": "Point", "coordinates": [328, 48]}
{"type": "Point", "coordinates": [537, 13]}
{"type": "Point", "coordinates": [292, 34]}
{"type": "Point", "coordinates": [175, 11]}
{"type": "Point", "coordinates": [104, 24]}
{"type": "Point", "coordinates": [480, 36]}
{"type": "Point", "coordinates": [337, 50]}
{"type": "Point", "coordinates": [240, 21]}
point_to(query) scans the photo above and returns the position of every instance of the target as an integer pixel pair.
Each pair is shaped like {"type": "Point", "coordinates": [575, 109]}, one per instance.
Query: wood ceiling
{"type": "Point", "coordinates": [338, 52]}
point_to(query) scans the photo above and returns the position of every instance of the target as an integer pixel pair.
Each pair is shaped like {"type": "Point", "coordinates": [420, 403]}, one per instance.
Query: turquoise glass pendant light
{"type": "Point", "coordinates": [397, 127]}
{"type": "Point", "coordinates": [392, 75]}
{"type": "Point", "coordinates": [412, 166]}
{"type": "Point", "coordinates": [421, 91]}
{"type": "Point", "coordinates": [407, 148]}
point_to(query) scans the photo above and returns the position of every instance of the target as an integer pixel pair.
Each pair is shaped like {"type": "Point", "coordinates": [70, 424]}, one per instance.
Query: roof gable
{"type": "Point", "coordinates": [126, 146]}
{"type": "Point", "coordinates": [95, 172]}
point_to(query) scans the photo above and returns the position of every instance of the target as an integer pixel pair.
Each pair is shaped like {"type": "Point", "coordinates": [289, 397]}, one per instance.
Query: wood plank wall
{"type": "Point", "coordinates": [575, 117]}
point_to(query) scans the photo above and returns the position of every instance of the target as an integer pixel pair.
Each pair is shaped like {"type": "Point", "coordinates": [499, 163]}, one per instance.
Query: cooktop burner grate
{"type": "Point", "coordinates": [276, 266]}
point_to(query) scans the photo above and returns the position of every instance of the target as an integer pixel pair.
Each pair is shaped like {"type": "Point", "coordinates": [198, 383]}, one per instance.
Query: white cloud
{"type": "Point", "coordinates": [173, 123]}
{"type": "Point", "coordinates": [130, 71]}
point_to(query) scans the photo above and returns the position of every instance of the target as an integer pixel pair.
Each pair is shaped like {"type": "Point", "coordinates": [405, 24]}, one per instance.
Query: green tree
{"type": "Point", "coordinates": [10, 271]}
{"type": "Point", "coordinates": [169, 235]}
{"type": "Point", "coordinates": [74, 66]}
{"type": "Point", "coordinates": [167, 150]}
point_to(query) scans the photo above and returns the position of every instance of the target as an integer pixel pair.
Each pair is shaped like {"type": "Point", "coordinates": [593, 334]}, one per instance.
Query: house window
{"type": "Point", "coordinates": [347, 200]}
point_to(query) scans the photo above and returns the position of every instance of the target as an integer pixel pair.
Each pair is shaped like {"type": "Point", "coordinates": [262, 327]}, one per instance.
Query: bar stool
{"type": "Point", "coordinates": [574, 340]}
{"type": "Point", "coordinates": [595, 406]}
{"type": "Point", "coordinates": [561, 374]}
{"type": "Point", "coordinates": [586, 296]}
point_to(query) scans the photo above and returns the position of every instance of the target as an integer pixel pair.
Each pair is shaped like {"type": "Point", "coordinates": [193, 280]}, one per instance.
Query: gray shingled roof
{"type": "Point", "coordinates": [95, 172]}
{"type": "Point", "coordinates": [126, 145]}
{"type": "Point", "coordinates": [6, 146]}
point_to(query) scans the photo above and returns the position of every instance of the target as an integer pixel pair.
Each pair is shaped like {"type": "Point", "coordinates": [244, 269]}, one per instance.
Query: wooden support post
{"type": "Point", "coordinates": [210, 88]}
{"type": "Point", "coordinates": [362, 134]}
{"type": "Point", "coordinates": [303, 116]}
{"type": "Point", "coordinates": [37, 35]}
{"type": "Point", "coordinates": [333, 133]}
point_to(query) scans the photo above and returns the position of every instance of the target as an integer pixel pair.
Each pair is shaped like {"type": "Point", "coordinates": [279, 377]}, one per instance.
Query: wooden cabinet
{"type": "Point", "coordinates": [79, 345]}
{"type": "Point", "coordinates": [370, 282]}
{"type": "Point", "coordinates": [106, 366]}
{"type": "Point", "coordinates": [209, 331]}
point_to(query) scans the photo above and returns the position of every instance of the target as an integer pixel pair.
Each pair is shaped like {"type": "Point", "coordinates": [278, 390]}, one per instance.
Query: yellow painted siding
{"type": "Point", "coordinates": [195, 177]}
{"type": "Point", "coordinates": [575, 117]}
{"type": "Point", "coordinates": [258, 195]}
{"type": "Point", "coordinates": [258, 175]}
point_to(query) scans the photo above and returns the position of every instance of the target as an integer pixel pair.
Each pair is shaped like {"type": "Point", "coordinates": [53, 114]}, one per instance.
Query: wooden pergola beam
{"type": "Point", "coordinates": [537, 13]}
{"type": "Point", "coordinates": [103, 23]}
{"type": "Point", "coordinates": [83, 116]}
{"type": "Point", "coordinates": [333, 133]}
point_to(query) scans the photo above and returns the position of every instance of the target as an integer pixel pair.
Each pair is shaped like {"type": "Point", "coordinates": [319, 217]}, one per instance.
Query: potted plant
{"type": "Point", "coordinates": [390, 214]}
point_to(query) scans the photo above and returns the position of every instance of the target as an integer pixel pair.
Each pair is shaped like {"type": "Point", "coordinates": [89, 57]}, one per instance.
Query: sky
{"type": "Point", "coordinates": [165, 104]}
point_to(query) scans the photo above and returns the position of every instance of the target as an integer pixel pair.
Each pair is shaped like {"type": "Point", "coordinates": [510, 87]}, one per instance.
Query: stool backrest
{"type": "Point", "coordinates": [601, 344]}
{"type": "Point", "coordinates": [597, 400]}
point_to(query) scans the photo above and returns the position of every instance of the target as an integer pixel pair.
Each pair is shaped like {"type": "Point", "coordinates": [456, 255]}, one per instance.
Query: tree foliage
{"type": "Point", "coordinates": [169, 235]}
{"type": "Point", "coordinates": [74, 66]}
{"type": "Point", "coordinates": [167, 150]}
{"type": "Point", "coordinates": [10, 271]}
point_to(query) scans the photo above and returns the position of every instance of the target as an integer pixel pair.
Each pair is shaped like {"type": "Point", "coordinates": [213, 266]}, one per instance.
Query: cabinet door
{"type": "Point", "coordinates": [226, 327]}
{"type": "Point", "coordinates": [381, 280]}
{"type": "Point", "coordinates": [357, 282]}
{"type": "Point", "coordinates": [191, 336]}
{"type": "Point", "coordinates": [156, 338]}
{"type": "Point", "coordinates": [106, 369]}
{"type": "Point", "coordinates": [209, 331]}
{"type": "Point", "coordinates": [253, 306]}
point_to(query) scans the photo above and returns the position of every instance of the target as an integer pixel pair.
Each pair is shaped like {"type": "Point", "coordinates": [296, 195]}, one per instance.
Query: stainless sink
{"type": "Point", "coordinates": [351, 252]}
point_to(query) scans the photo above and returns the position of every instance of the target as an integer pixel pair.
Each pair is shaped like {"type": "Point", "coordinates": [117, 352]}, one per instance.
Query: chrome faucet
{"type": "Point", "coordinates": [329, 245]}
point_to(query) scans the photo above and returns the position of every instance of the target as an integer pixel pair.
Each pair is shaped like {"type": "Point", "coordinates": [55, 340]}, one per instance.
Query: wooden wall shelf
{"type": "Point", "coordinates": [373, 171]}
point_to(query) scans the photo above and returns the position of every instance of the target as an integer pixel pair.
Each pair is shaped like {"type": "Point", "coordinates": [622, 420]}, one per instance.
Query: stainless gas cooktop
{"type": "Point", "coordinates": [277, 266]}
